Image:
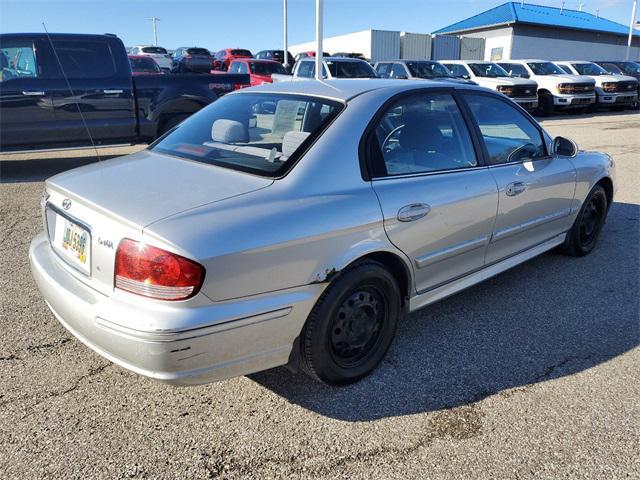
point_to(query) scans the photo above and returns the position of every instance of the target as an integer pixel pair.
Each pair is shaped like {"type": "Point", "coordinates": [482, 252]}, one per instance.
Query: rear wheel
{"type": "Point", "coordinates": [352, 325]}
{"type": "Point", "coordinates": [584, 233]}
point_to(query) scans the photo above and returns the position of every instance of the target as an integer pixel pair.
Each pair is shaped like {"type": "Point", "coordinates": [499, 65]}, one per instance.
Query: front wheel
{"type": "Point", "coordinates": [545, 104]}
{"type": "Point", "coordinates": [584, 233]}
{"type": "Point", "coordinates": [352, 325]}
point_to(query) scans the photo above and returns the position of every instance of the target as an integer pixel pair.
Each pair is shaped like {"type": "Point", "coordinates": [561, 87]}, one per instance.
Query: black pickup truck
{"type": "Point", "coordinates": [51, 86]}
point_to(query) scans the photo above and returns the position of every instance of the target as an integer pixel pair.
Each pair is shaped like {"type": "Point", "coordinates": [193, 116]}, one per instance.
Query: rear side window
{"type": "Point", "coordinates": [84, 59]}
{"type": "Point", "coordinates": [508, 135]}
{"type": "Point", "coordinates": [382, 69]}
{"type": "Point", "coordinates": [458, 70]}
{"type": "Point", "coordinates": [398, 71]}
{"type": "Point", "coordinates": [18, 60]}
{"type": "Point", "coordinates": [423, 133]}
{"type": "Point", "coordinates": [354, 69]}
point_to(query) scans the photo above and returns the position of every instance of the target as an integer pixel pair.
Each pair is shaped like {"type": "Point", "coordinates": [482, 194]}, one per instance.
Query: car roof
{"type": "Point", "coordinates": [344, 89]}
{"type": "Point", "coordinates": [573, 61]}
{"type": "Point", "coordinates": [334, 59]}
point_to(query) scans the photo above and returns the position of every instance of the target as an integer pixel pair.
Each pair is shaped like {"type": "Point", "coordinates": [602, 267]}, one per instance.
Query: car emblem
{"type": "Point", "coordinates": [66, 204]}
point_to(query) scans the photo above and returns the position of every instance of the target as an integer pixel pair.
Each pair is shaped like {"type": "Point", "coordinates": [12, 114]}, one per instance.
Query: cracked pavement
{"type": "Point", "coordinates": [531, 374]}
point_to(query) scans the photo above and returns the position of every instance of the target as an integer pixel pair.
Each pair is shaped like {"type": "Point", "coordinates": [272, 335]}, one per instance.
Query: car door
{"type": "Point", "coordinates": [99, 85]}
{"type": "Point", "coordinates": [25, 98]}
{"type": "Point", "coordinates": [536, 189]}
{"type": "Point", "coordinates": [438, 200]}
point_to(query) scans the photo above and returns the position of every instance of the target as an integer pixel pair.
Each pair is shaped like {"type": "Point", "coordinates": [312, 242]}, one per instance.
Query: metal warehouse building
{"type": "Point", "coordinates": [521, 30]}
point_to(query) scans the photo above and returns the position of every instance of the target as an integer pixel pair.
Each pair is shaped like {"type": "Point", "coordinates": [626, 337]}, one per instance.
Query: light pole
{"type": "Point", "coordinates": [633, 21]}
{"type": "Point", "coordinates": [154, 21]}
{"type": "Point", "coordinates": [286, 46]}
{"type": "Point", "coordinates": [318, 39]}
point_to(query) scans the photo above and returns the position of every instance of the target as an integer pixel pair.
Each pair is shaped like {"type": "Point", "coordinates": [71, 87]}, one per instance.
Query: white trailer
{"type": "Point", "coordinates": [375, 45]}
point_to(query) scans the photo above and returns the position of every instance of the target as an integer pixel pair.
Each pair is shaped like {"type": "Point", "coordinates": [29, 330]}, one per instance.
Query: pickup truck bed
{"type": "Point", "coordinates": [55, 88]}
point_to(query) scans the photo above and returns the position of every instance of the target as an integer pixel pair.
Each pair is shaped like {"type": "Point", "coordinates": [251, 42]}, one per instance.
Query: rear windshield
{"type": "Point", "coordinates": [239, 52]}
{"type": "Point", "coordinates": [198, 51]}
{"type": "Point", "coordinates": [356, 69]}
{"type": "Point", "coordinates": [427, 69]}
{"type": "Point", "coordinates": [263, 68]}
{"type": "Point", "coordinates": [146, 65]}
{"type": "Point", "coordinates": [251, 132]}
{"type": "Point", "coordinates": [545, 68]}
{"type": "Point", "coordinates": [487, 70]}
{"type": "Point", "coordinates": [159, 50]}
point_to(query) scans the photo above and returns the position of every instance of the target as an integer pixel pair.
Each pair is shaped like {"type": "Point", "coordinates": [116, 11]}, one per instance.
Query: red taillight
{"type": "Point", "coordinates": [238, 86]}
{"type": "Point", "coordinates": [153, 272]}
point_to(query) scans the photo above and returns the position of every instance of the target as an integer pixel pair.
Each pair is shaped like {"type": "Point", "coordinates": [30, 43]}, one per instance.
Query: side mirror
{"type": "Point", "coordinates": [564, 147]}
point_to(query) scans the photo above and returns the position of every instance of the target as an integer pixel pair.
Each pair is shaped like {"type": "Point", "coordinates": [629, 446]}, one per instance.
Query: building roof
{"type": "Point", "coordinates": [526, 13]}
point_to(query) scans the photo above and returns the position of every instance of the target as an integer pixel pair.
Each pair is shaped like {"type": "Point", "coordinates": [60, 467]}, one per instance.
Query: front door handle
{"type": "Point", "coordinates": [515, 188]}
{"type": "Point", "coordinates": [33, 93]}
{"type": "Point", "coordinates": [412, 212]}
{"type": "Point", "coordinates": [111, 91]}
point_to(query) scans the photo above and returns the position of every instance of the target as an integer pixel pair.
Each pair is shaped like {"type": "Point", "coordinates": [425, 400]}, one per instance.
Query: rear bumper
{"type": "Point", "coordinates": [179, 344]}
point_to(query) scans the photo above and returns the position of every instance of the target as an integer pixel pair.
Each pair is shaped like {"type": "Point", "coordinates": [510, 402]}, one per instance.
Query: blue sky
{"type": "Point", "coordinates": [255, 24]}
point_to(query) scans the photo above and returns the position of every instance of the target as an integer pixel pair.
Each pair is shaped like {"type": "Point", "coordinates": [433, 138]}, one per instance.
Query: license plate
{"type": "Point", "coordinates": [73, 242]}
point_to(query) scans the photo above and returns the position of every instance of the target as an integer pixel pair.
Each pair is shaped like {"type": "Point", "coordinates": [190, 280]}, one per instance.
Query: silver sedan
{"type": "Point", "coordinates": [296, 223]}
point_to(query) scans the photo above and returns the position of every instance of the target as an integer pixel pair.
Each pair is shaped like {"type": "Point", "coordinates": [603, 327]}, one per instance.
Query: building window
{"type": "Point", "coordinates": [496, 54]}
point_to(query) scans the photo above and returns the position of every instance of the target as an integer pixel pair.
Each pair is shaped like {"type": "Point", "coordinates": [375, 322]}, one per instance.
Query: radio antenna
{"type": "Point", "coordinates": [73, 95]}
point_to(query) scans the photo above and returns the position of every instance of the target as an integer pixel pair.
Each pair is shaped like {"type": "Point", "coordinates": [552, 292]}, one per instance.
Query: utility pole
{"type": "Point", "coordinates": [286, 45]}
{"type": "Point", "coordinates": [631, 23]}
{"type": "Point", "coordinates": [318, 39]}
{"type": "Point", "coordinates": [154, 21]}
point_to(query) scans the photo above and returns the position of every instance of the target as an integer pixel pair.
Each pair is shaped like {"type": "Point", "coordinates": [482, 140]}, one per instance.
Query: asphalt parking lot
{"type": "Point", "coordinates": [532, 374]}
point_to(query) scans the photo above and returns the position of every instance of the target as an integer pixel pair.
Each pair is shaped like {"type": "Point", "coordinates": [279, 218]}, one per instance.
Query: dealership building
{"type": "Point", "coordinates": [511, 30]}
{"type": "Point", "coordinates": [521, 30]}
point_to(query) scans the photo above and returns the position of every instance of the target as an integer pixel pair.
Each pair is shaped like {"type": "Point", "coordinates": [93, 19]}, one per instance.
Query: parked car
{"type": "Point", "coordinates": [276, 55]}
{"type": "Point", "coordinates": [144, 65]}
{"type": "Point", "coordinates": [359, 56]}
{"type": "Point", "coordinates": [160, 55]}
{"type": "Point", "coordinates": [38, 109]}
{"type": "Point", "coordinates": [223, 58]}
{"type": "Point", "coordinates": [333, 67]}
{"type": "Point", "coordinates": [236, 244]}
{"type": "Point", "coordinates": [309, 54]}
{"type": "Point", "coordinates": [613, 92]}
{"type": "Point", "coordinates": [556, 89]}
{"type": "Point", "coordinates": [259, 71]}
{"type": "Point", "coordinates": [415, 70]}
{"type": "Point", "coordinates": [630, 69]}
{"type": "Point", "coordinates": [490, 75]}
{"type": "Point", "coordinates": [191, 59]}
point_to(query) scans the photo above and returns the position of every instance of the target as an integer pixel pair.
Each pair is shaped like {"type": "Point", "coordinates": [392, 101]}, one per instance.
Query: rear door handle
{"type": "Point", "coordinates": [33, 93]}
{"type": "Point", "coordinates": [415, 211]}
{"type": "Point", "coordinates": [111, 91]}
{"type": "Point", "coordinates": [515, 188]}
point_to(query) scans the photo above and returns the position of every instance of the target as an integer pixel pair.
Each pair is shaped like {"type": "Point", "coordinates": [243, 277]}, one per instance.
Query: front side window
{"type": "Point", "coordinates": [423, 133]}
{"type": "Point", "coordinates": [515, 70]}
{"type": "Point", "coordinates": [256, 133]}
{"type": "Point", "coordinates": [18, 60]}
{"type": "Point", "coordinates": [508, 135]}
{"type": "Point", "coordinates": [458, 70]}
{"type": "Point", "coordinates": [545, 68]}
{"type": "Point", "coordinates": [611, 68]}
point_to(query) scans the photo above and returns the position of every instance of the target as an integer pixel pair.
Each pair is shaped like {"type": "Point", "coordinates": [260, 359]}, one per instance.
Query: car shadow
{"type": "Point", "coordinates": [550, 317]}
{"type": "Point", "coordinates": [38, 170]}
{"type": "Point", "coordinates": [568, 114]}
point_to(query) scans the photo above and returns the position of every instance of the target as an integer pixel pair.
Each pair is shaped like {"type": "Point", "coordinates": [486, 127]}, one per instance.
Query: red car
{"type": "Point", "coordinates": [259, 70]}
{"type": "Point", "coordinates": [144, 65]}
{"type": "Point", "coordinates": [223, 58]}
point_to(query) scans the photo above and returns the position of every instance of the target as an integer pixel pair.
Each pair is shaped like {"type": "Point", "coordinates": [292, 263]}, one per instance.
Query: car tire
{"type": "Point", "coordinates": [545, 104]}
{"type": "Point", "coordinates": [352, 325]}
{"type": "Point", "coordinates": [583, 236]}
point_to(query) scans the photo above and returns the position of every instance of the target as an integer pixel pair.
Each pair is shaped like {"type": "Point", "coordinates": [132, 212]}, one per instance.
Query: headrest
{"type": "Point", "coordinates": [229, 131]}
{"type": "Point", "coordinates": [291, 141]}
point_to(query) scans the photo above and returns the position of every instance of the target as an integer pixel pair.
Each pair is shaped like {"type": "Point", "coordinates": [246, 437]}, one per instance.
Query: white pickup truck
{"type": "Point", "coordinates": [489, 75]}
{"type": "Point", "coordinates": [613, 91]}
{"type": "Point", "coordinates": [556, 89]}
{"type": "Point", "coordinates": [333, 67]}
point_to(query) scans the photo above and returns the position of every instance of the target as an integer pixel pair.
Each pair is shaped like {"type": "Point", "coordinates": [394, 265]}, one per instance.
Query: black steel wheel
{"type": "Point", "coordinates": [584, 233]}
{"type": "Point", "coordinates": [352, 325]}
{"type": "Point", "coordinates": [545, 104]}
